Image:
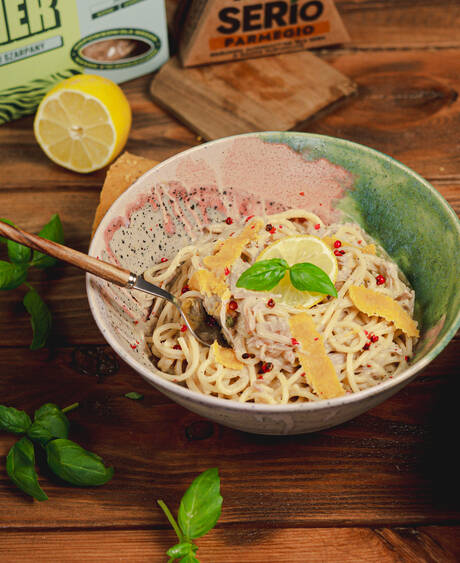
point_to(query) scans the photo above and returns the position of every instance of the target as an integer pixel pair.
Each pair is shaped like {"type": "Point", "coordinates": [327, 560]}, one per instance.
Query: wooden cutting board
{"type": "Point", "coordinates": [264, 94]}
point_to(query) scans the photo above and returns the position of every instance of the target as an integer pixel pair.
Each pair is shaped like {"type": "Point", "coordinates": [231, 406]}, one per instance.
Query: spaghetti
{"type": "Point", "coordinates": [268, 362]}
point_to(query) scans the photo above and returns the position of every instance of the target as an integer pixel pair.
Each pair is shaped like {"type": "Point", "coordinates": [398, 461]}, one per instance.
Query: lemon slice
{"type": "Point", "coordinates": [295, 249]}
{"type": "Point", "coordinates": [83, 123]}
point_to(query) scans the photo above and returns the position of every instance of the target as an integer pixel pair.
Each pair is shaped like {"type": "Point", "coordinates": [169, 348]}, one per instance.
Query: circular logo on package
{"type": "Point", "coordinates": [115, 48]}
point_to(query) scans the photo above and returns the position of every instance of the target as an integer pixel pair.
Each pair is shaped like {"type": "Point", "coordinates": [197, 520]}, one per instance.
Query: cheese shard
{"type": "Point", "coordinates": [319, 369]}
{"type": "Point", "coordinates": [375, 303]}
{"type": "Point", "coordinates": [206, 282]}
{"type": "Point", "coordinates": [225, 357]}
{"type": "Point", "coordinates": [231, 249]}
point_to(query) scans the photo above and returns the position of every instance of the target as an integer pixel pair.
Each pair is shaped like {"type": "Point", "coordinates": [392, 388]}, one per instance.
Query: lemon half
{"type": "Point", "coordinates": [296, 249]}
{"type": "Point", "coordinates": [83, 123]}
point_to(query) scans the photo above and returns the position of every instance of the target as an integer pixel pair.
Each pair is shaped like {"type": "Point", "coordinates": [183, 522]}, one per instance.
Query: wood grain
{"type": "Point", "coordinates": [396, 24]}
{"type": "Point", "coordinates": [230, 545]}
{"type": "Point", "coordinates": [381, 488]}
{"type": "Point", "coordinates": [407, 106]}
{"type": "Point", "coordinates": [391, 466]}
{"type": "Point", "coordinates": [267, 94]}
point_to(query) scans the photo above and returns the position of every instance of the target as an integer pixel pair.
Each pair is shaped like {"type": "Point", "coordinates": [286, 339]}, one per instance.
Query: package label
{"type": "Point", "coordinates": [222, 30]}
{"type": "Point", "coordinates": [45, 41]}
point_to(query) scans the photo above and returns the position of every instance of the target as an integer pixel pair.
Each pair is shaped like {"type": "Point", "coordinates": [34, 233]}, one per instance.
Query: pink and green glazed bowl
{"type": "Point", "coordinates": [269, 172]}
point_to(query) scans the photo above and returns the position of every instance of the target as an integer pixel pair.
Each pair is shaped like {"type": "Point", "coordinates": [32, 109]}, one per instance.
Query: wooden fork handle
{"type": "Point", "coordinates": [99, 268]}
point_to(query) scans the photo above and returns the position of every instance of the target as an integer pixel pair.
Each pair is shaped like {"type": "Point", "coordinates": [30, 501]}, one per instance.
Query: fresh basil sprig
{"type": "Point", "coordinates": [12, 420]}
{"type": "Point", "coordinates": [49, 423]}
{"type": "Point", "coordinates": [14, 273]}
{"type": "Point", "coordinates": [20, 466]}
{"type": "Point", "coordinates": [52, 231]}
{"type": "Point", "coordinates": [266, 274]}
{"type": "Point", "coordinates": [77, 466]}
{"type": "Point", "coordinates": [65, 458]}
{"type": "Point", "coordinates": [199, 511]}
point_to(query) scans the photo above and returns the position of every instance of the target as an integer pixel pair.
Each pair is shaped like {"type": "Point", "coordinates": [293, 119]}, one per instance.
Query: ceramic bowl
{"type": "Point", "coordinates": [270, 172]}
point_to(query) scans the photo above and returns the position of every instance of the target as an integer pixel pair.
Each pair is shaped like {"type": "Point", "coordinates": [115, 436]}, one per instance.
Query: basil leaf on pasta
{"type": "Point", "coordinates": [263, 275]}
{"type": "Point", "coordinates": [308, 277]}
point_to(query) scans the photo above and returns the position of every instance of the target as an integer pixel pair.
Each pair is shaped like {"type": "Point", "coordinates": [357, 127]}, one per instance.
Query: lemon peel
{"type": "Point", "coordinates": [225, 357]}
{"type": "Point", "coordinates": [319, 369]}
{"type": "Point", "coordinates": [374, 303]}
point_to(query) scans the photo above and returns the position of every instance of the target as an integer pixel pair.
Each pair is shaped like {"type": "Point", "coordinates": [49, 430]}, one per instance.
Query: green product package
{"type": "Point", "coordinates": [42, 42]}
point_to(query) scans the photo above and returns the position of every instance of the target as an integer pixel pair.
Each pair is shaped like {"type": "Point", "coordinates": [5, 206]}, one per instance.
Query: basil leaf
{"type": "Point", "coordinates": [134, 395]}
{"type": "Point", "coordinates": [180, 549]}
{"type": "Point", "coordinates": [12, 275]}
{"type": "Point", "coordinates": [20, 466]}
{"type": "Point", "coordinates": [73, 464]}
{"type": "Point", "coordinates": [201, 505]}
{"type": "Point", "coordinates": [40, 318]}
{"type": "Point", "coordinates": [308, 277]}
{"type": "Point", "coordinates": [17, 253]}
{"type": "Point", "coordinates": [189, 558]}
{"type": "Point", "coordinates": [51, 231]}
{"type": "Point", "coordinates": [8, 222]}
{"type": "Point", "coordinates": [12, 420]}
{"type": "Point", "coordinates": [49, 423]}
{"type": "Point", "coordinates": [263, 275]}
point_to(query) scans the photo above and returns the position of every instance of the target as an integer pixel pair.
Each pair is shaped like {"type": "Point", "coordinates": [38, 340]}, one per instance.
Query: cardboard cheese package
{"type": "Point", "coordinates": [225, 30]}
{"type": "Point", "coordinates": [43, 42]}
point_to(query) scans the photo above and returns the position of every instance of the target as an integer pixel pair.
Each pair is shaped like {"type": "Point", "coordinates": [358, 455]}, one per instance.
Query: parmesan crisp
{"type": "Point", "coordinates": [319, 369]}
{"type": "Point", "coordinates": [225, 357]}
{"type": "Point", "coordinates": [378, 304]}
{"type": "Point", "coordinates": [121, 174]}
{"type": "Point", "coordinates": [206, 282]}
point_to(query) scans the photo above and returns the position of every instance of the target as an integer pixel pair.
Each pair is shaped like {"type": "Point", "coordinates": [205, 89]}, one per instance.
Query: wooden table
{"type": "Point", "coordinates": [381, 488]}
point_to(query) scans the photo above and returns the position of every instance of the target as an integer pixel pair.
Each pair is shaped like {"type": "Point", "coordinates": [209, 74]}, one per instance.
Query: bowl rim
{"type": "Point", "coordinates": [186, 394]}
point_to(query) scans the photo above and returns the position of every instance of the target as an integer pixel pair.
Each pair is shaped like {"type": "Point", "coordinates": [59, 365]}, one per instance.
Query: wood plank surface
{"type": "Point", "coordinates": [395, 24]}
{"type": "Point", "coordinates": [380, 488]}
{"type": "Point", "coordinates": [390, 466]}
{"type": "Point", "coordinates": [407, 106]}
{"type": "Point", "coordinates": [348, 545]}
{"type": "Point", "coordinates": [267, 94]}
